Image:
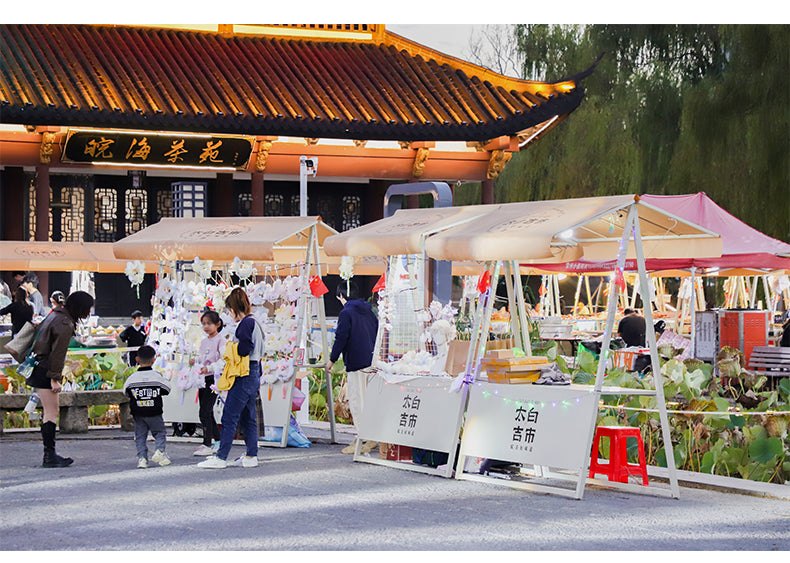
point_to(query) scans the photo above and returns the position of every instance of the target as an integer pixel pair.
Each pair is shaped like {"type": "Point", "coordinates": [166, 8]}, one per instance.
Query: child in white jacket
{"type": "Point", "coordinates": [210, 363]}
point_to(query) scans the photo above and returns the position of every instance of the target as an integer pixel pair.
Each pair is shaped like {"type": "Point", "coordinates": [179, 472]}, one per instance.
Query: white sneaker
{"type": "Point", "coordinates": [204, 450]}
{"type": "Point", "coordinates": [161, 458]}
{"type": "Point", "coordinates": [213, 462]}
{"type": "Point", "coordinates": [142, 463]}
{"type": "Point", "coordinates": [244, 461]}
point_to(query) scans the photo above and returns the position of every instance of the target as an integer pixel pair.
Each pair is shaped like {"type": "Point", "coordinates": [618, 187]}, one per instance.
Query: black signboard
{"type": "Point", "coordinates": [141, 148]}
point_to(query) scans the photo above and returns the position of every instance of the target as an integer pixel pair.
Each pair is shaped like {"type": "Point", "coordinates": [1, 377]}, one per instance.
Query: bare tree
{"type": "Point", "coordinates": [495, 47]}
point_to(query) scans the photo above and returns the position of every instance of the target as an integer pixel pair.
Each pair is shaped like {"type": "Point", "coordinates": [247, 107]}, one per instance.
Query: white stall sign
{"type": "Point", "coordinates": [533, 424]}
{"type": "Point", "coordinates": [420, 412]}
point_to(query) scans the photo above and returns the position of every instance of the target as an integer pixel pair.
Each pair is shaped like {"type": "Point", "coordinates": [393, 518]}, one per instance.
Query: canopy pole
{"type": "Point", "coordinates": [693, 312]}
{"type": "Point", "coordinates": [324, 341]}
{"type": "Point", "coordinates": [658, 381]}
{"type": "Point", "coordinates": [587, 287]}
{"type": "Point", "coordinates": [577, 295]}
{"type": "Point", "coordinates": [511, 305]}
{"type": "Point", "coordinates": [522, 309]}
{"type": "Point", "coordinates": [600, 372]}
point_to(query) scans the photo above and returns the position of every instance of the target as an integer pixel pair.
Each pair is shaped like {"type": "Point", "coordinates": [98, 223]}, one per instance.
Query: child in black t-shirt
{"type": "Point", "coordinates": [145, 389]}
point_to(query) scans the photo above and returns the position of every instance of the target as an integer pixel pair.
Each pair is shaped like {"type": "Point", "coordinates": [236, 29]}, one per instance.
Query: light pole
{"type": "Point", "coordinates": [307, 167]}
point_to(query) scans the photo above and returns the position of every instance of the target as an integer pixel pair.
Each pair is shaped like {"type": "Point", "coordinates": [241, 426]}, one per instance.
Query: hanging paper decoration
{"type": "Point", "coordinates": [202, 267]}
{"type": "Point", "coordinates": [135, 271]}
{"type": "Point", "coordinates": [381, 284]}
{"type": "Point", "coordinates": [484, 282]}
{"type": "Point", "coordinates": [243, 269]}
{"type": "Point", "coordinates": [317, 286]}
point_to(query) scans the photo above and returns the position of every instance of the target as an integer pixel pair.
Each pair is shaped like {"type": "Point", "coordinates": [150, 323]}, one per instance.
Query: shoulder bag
{"type": "Point", "coordinates": [21, 344]}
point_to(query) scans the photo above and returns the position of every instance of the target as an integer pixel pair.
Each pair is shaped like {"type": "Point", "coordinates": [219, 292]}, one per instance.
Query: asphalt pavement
{"type": "Point", "coordinates": [318, 499]}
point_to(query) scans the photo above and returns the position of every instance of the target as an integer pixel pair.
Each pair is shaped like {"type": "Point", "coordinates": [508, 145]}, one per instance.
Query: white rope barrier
{"type": "Point", "coordinates": [736, 412]}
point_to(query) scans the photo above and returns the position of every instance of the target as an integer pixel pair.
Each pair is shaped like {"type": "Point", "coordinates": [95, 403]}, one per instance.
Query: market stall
{"type": "Point", "coordinates": [749, 258]}
{"type": "Point", "coordinates": [200, 260]}
{"type": "Point", "coordinates": [504, 236]}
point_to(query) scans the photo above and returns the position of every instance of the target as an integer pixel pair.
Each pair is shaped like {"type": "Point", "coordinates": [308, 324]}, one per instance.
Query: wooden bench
{"type": "Point", "coordinates": [773, 361]}
{"type": "Point", "coordinates": [74, 408]}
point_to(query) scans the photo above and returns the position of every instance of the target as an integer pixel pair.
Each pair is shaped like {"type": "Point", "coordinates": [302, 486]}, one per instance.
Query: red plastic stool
{"type": "Point", "coordinates": [618, 469]}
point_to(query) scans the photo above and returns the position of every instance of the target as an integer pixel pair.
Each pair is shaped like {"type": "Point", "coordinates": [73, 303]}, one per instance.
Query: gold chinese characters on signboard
{"type": "Point", "coordinates": [155, 149]}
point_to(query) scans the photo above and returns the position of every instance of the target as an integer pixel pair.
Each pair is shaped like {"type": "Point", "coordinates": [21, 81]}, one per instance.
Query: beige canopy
{"type": "Point", "coordinates": [403, 233]}
{"type": "Point", "coordinates": [61, 257]}
{"type": "Point", "coordinates": [276, 240]}
{"type": "Point", "coordinates": [535, 231]}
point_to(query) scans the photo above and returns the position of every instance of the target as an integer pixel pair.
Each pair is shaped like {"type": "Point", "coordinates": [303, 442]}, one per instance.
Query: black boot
{"type": "Point", "coordinates": [51, 459]}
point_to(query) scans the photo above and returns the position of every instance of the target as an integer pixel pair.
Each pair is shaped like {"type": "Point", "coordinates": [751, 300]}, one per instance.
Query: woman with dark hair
{"type": "Point", "coordinates": [211, 364]}
{"type": "Point", "coordinates": [242, 396]}
{"type": "Point", "coordinates": [50, 349]}
{"type": "Point", "coordinates": [21, 311]}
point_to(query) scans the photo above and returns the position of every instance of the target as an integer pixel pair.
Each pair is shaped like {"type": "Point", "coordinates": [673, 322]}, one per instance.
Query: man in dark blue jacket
{"type": "Point", "coordinates": [355, 337]}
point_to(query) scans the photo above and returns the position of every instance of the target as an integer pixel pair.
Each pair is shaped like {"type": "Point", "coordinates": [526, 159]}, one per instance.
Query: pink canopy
{"type": "Point", "coordinates": [743, 246]}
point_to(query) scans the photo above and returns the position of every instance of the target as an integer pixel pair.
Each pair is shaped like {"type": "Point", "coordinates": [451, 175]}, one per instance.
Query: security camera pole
{"type": "Point", "coordinates": [307, 167]}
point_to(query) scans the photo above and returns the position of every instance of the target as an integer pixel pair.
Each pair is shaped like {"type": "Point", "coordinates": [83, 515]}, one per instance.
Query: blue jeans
{"type": "Point", "coordinates": [240, 409]}
{"type": "Point", "coordinates": [142, 424]}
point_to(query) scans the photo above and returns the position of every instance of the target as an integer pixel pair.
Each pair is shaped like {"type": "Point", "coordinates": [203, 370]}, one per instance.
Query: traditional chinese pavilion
{"type": "Point", "coordinates": [101, 124]}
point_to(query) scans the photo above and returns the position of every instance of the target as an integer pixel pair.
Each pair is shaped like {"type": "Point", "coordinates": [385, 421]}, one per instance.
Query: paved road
{"type": "Point", "coordinates": [319, 499]}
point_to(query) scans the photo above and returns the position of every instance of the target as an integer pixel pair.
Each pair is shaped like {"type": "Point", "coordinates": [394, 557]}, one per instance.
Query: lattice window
{"type": "Point", "coordinates": [164, 203]}
{"type": "Point", "coordinates": [274, 205]}
{"type": "Point", "coordinates": [106, 200]}
{"type": "Point", "coordinates": [328, 207]}
{"type": "Point", "coordinates": [136, 206]}
{"type": "Point", "coordinates": [72, 214]}
{"type": "Point", "coordinates": [351, 212]}
{"type": "Point", "coordinates": [244, 205]}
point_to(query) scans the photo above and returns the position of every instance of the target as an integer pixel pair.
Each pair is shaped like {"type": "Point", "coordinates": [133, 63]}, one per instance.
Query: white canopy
{"type": "Point", "coordinates": [279, 240]}
{"type": "Point", "coordinates": [47, 256]}
{"type": "Point", "coordinates": [534, 231]}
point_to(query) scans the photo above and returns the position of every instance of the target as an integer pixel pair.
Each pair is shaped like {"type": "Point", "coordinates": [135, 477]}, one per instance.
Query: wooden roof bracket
{"type": "Point", "coordinates": [499, 158]}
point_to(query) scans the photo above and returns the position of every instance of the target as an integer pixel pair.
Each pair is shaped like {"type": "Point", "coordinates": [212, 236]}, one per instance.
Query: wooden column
{"type": "Point", "coordinates": [488, 191]}
{"type": "Point", "coordinates": [12, 201]}
{"type": "Point", "coordinates": [42, 221]}
{"type": "Point", "coordinates": [258, 206]}
{"type": "Point", "coordinates": [223, 202]}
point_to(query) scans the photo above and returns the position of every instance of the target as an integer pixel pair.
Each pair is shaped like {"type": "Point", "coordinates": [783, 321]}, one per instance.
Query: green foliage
{"type": "Point", "coordinates": [319, 410]}
{"type": "Point", "coordinates": [669, 109]}
{"type": "Point", "coordinates": [746, 445]}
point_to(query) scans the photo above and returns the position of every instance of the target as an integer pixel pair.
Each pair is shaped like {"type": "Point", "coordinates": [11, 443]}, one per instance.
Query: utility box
{"type": "Point", "coordinates": [741, 329]}
{"type": "Point", "coordinates": [706, 335]}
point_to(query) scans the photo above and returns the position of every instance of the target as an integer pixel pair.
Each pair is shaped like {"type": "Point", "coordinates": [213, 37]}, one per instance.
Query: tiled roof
{"type": "Point", "coordinates": [165, 79]}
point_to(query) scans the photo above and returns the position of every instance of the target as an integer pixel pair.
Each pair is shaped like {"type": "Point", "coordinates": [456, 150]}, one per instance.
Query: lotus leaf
{"type": "Point", "coordinates": [679, 453]}
{"type": "Point", "coordinates": [776, 426]}
{"type": "Point", "coordinates": [755, 432]}
{"type": "Point", "coordinates": [729, 353]}
{"type": "Point", "coordinates": [708, 462]}
{"type": "Point", "coordinates": [729, 367]}
{"type": "Point", "coordinates": [674, 371]}
{"type": "Point", "coordinates": [733, 457]}
{"type": "Point", "coordinates": [586, 361]}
